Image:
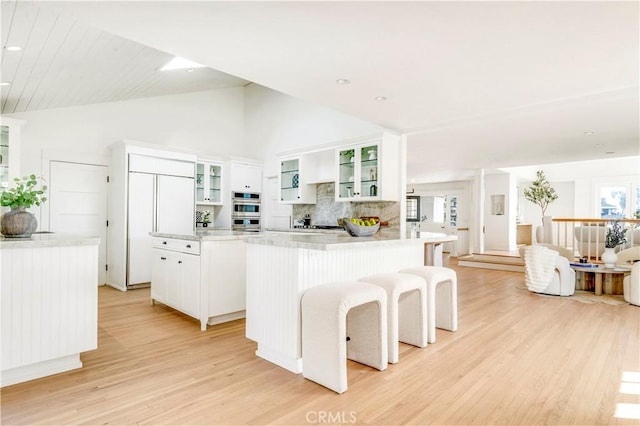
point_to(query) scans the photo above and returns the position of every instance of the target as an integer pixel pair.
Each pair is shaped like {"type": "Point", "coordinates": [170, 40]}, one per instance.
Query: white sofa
{"type": "Point", "coordinates": [590, 239]}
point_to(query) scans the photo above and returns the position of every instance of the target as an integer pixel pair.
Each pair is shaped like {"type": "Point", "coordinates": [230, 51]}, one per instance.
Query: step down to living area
{"type": "Point", "coordinates": [503, 262]}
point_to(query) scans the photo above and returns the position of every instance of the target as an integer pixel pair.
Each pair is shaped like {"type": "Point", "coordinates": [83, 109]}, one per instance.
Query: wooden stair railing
{"type": "Point", "coordinates": [586, 236]}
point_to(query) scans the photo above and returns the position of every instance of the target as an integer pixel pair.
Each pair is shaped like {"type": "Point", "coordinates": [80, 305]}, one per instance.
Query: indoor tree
{"type": "Point", "coordinates": [540, 192]}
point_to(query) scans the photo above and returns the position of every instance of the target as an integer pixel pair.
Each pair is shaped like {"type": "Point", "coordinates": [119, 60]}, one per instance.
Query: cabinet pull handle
{"type": "Point", "coordinates": [179, 262]}
{"type": "Point", "coordinates": [163, 258]}
{"type": "Point", "coordinates": [188, 245]}
{"type": "Point", "coordinates": [164, 242]}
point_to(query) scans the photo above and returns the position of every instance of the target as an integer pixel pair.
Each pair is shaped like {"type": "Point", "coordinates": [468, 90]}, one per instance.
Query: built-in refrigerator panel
{"type": "Point", "coordinates": [157, 203]}
{"type": "Point", "coordinates": [140, 221]}
{"type": "Point", "coordinates": [175, 205]}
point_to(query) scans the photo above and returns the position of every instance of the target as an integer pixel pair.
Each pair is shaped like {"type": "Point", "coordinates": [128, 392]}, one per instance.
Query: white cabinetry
{"type": "Point", "coordinates": [294, 181]}
{"type": "Point", "coordinates": [246, 177]}
{"type": "Point", "coordinates": [176, 275]}
{"type": "Point", "coordinates": [49, 304]}
{"type": "Point", "coordinates": [224, 279]}
{"type": "Point", "coordinates": [203, 279]}
{"type": "Point", "coordinates": [9, 150]}
{"type": "Point", "coordinates": [150, 190]}
{"type": "Point", "coordinates": [369, 171]}
{"type": "Point", "coordinates": [208, 183]}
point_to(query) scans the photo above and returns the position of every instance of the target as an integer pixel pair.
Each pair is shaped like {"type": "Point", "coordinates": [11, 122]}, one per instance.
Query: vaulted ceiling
{"type": "Point", "coordinates": [473, 84]}
{"type": "Point", "coordinates": [64, 62]}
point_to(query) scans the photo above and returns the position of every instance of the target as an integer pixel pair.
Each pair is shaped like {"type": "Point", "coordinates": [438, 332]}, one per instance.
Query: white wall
{"type": "Point", "coordinates": [210, 122]}
{"type": "Point", "coordinates": [575, 183]}
{"type": "Point", "coordinates": [277, 123]}
{"type": "Point", "coordinates": [499, 234]}
{"type": "Point", "coordinates": [562, 207]}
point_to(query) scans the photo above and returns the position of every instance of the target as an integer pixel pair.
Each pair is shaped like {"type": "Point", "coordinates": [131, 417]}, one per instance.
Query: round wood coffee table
{"type": "Point", "coordinates": [600, 278]}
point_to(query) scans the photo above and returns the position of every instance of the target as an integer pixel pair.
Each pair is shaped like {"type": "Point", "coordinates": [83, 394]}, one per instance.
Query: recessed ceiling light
{"type": "Point", "coordinates": [5, 83]}
{"type": "Point", "coordinates": [14, 48]}
{"type": "Point", "coordinates": [342, 81]}
{"type": "Point", "coordinates": [179, 63]}
{"type": "Point", "coordinates": [381, 98]}
{"type": "Point", "coordinates": [588, 133]}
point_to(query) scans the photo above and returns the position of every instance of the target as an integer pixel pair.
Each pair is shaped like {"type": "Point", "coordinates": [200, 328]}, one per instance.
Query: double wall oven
{"type": "Point", "coordinates": [246, 211]}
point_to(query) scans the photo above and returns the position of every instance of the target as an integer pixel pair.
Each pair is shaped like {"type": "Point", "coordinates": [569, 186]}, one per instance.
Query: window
{"type": "Point", "coordinates": [613, 202]}
{"type": "Point", "coordinates": [413, 209]}
{"type": "Point", "coordinates": [617, 199]}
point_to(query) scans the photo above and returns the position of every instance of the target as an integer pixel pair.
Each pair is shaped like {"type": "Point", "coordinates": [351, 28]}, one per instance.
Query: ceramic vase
{"type": "Point", "coordinates": [609, 257]}
{"type": "Point", "coordinates": [18, 223]}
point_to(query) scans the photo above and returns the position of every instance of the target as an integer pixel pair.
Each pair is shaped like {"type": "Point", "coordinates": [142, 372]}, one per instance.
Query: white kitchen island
{"type": "Point", "coordinates": [201, 274]}
{"type": "Point", "coordinates": [49, 294]}
{"type": "Point", "coordinates": [280, 267]}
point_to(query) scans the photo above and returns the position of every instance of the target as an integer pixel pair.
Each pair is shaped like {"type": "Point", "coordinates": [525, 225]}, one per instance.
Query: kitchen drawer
{"type": "Point", "coordinates": [184, 246]}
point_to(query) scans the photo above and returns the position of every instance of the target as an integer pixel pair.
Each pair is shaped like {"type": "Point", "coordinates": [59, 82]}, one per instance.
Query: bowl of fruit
{"type": "Point", "coordinates": [357, 227]}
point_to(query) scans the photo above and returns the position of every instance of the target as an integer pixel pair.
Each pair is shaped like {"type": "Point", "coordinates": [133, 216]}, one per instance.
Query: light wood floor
{"type": "Point", "coordinates": [518, 358]}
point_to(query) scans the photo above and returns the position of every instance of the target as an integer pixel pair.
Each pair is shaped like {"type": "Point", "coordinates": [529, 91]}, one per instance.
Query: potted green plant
{"type": "Point", "coordinates": [542, 194]}
{"type": "Point", "coordinates": [206, 219]}
{"type": "Point", "coordinates": [616, 236]}
{"type": "Point", "coordinates": [349, 154]}
{"type": "Point", "coordinates": [19, 223]}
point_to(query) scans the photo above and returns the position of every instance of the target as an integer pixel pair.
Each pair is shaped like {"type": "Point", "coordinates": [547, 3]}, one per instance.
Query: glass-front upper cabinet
{"type": "Point", "coordinates": [208, 184]}
{"type": "Point", "coordinates": [295, 186]}
{"type": "Point", "coordinates": [4, 157]}
{"type": "Point", "coordinates": [290, 180]}
{"type": "Point", "coordinates": [9, 150]}
{"type": "Point", "coordinates": [358, 173]}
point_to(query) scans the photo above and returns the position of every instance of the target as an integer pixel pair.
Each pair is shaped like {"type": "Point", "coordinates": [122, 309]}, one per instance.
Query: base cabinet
{"type": "Point", "coordinates": [203, 279]}
{"type": "Point", "coordinates": [176, 280]}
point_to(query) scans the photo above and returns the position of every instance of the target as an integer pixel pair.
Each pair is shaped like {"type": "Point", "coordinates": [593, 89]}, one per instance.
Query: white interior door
{"type": "Point", "coordinates": [277, 215]}
{"type": "Point", "coordinates": [78, 204]}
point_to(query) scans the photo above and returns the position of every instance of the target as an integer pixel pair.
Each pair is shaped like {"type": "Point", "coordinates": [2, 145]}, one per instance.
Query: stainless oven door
{"type": "Point", "coordinates": [242, 209]}
{"type": "Point", "coordinates": [246, 224]}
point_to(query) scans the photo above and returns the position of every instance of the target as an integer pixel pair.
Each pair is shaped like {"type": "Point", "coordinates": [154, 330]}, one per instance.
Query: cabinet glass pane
{"type": "Point", "coordinates": [453, 209]}
{"type": "Point", "coordinates": [4, 157]}
{"type": "Point", "coordinates": [290, 180]}
{"type": "Point", "coordinates": [199, 182]}
{"type": "Point", "coordinates": [346, 172]}
{"type": "Point", "coordinates": [214, 184]}
{"type": "Point", "coordinates": [369, 171]}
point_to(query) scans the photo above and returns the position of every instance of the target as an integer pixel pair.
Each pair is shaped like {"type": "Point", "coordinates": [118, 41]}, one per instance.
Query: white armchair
{"type": "Point", "coordinates": [547, 270]}
{"type": "Point", "coordinates": [631, 283]}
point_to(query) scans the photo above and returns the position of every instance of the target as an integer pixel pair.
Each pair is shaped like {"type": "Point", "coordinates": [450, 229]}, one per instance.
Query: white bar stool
{"type": "Point", "coordinates": [339, 321]}
{"type": "Point", "coordinates": [442, 297]}
{"type": "Point", "coordinates": [406, 309]}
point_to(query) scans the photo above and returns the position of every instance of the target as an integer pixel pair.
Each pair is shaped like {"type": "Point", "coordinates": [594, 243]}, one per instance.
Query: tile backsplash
{"type": "Point", "coordinates": [326, 211]}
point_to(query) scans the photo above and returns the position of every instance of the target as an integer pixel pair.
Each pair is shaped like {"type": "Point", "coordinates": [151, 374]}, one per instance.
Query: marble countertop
{"type": "Point", "coordinates": [307, 230]}
{"type": "Point", "coordinates": [343, 240]}
{"type": "Point", "coordinates": [48, 240]}
{"type": "Point", "coordinates": [209, 235]}
{"type": "Point", "coordinates": [316, 239]}
{"type": "Point", "coordinates": [428, 236]}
